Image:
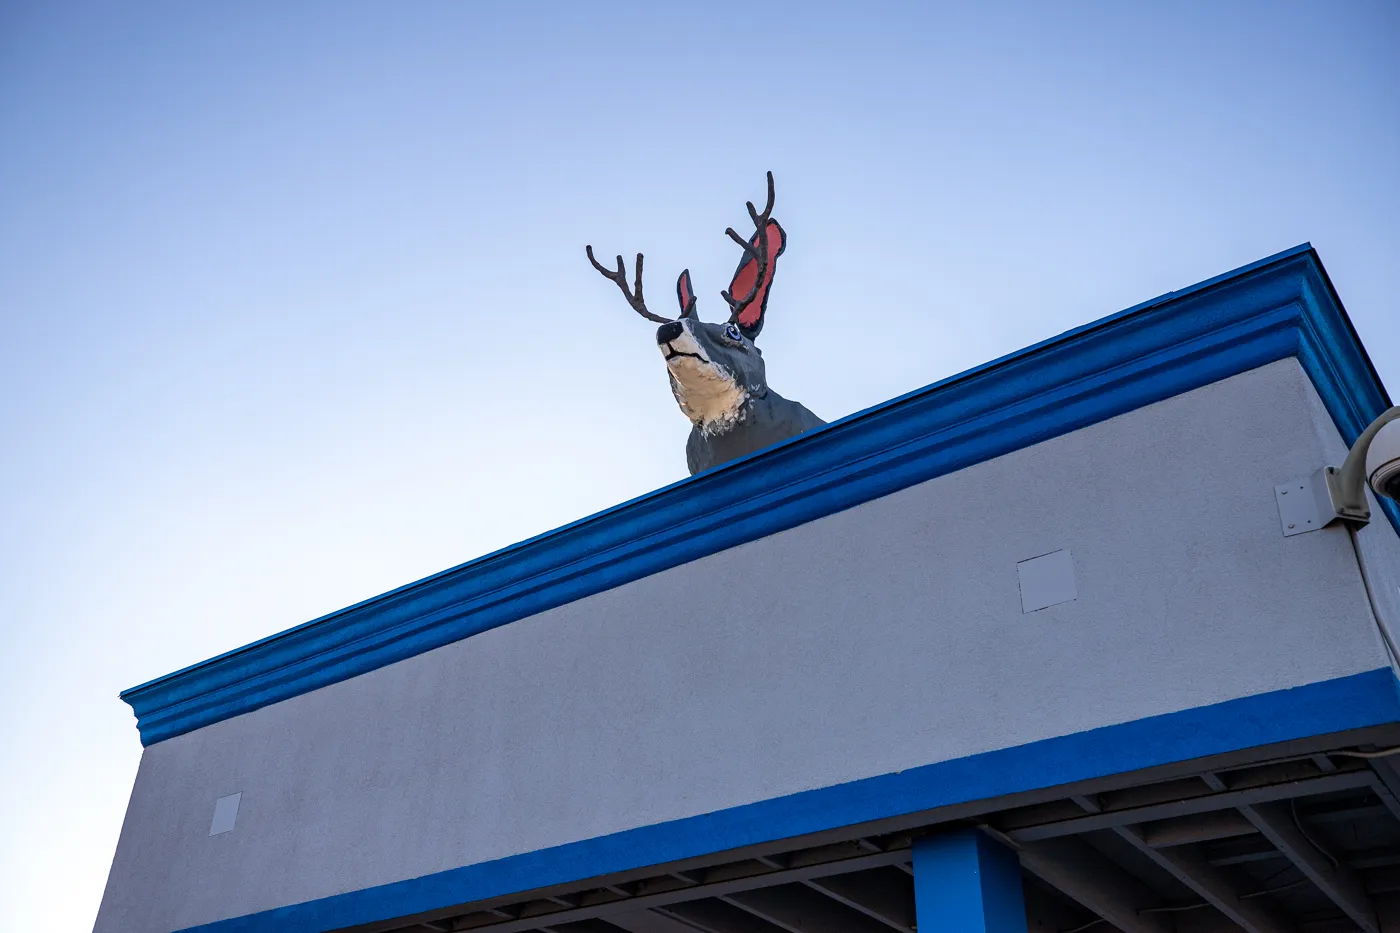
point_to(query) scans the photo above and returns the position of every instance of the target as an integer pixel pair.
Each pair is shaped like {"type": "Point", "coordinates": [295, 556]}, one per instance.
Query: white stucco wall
{"type": "Point", "coordinates": [874, 640]}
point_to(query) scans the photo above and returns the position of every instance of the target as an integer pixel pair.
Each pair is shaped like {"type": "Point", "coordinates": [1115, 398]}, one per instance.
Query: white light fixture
{"type": "Point", "coordinates": [1334, 493]}
{"type": "Point", "coordinates": [1374, 458]}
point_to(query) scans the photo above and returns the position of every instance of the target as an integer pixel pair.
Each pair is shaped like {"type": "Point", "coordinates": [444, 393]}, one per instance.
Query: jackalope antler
{"type": "Point", "coordinates": [620, 277]}
{"type": "Point", "coordinates": [760, 255]}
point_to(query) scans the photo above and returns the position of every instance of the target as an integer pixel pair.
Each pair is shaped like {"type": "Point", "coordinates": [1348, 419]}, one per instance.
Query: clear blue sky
{"type": "Point", "coordinates": [294, 308]}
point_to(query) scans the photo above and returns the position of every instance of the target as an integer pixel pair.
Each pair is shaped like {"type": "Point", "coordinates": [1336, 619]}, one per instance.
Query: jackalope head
{"type": "Point", "coordinates": [717, 374]}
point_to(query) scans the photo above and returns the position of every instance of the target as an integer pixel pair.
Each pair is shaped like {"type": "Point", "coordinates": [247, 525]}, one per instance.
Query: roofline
{"type": "Point", "coordinates": [1280, 306]}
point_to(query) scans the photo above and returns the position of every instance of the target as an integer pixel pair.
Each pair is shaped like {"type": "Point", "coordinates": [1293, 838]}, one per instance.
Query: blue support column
{"type": "Point", "coordinates": [964, 882]}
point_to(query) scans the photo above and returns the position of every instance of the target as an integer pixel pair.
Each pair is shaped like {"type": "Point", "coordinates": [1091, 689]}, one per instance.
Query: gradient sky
{"type": "Point", "coordinates": [294, 308]}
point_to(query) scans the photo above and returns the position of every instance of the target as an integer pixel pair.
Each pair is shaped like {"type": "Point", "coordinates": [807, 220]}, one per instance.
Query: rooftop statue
{"type": "Point", "coordinates": [717, 373]}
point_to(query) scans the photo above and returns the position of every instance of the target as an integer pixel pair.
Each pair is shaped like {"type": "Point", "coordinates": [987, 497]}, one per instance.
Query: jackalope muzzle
{"type": "Point", "coordinates": [668, 332]}
{"type": "Point", "coordinates": [676, 341]}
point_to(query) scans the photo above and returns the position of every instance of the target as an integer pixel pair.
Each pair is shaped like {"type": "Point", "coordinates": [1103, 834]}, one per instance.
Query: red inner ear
{"type": "Point", "coordinates": [684, 292]}
{"type": "Point", "coordinates": [744, 276]}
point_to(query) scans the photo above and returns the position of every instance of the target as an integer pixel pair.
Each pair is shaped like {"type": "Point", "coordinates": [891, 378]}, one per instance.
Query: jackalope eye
{"type": "Point", "coordinates": [731, 330]}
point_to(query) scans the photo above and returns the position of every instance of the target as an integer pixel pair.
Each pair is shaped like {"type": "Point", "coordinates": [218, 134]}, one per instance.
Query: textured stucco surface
{"type": "Point", "coordinates": [874, 640]}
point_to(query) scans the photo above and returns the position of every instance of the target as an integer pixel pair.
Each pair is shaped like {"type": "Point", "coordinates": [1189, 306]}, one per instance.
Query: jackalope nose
{"type": "Point", "coordinates": [668, 332]}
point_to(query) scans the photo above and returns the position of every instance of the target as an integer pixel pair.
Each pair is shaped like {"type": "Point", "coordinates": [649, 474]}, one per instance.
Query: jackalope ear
{"type": "Point", "coordinates": [750, 320]}
{"type": "Point", "coordinates": [686, 294]}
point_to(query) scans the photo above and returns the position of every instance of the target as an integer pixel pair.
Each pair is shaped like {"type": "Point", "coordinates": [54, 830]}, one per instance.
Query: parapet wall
{"type": "Point", "coordinates": [769, 687]}
{"type": "Point", "coordinates": [875, 640]}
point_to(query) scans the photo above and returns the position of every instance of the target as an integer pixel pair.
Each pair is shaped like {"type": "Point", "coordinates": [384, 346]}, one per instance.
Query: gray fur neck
{"type": "Point", "coordinates": [761, 422]}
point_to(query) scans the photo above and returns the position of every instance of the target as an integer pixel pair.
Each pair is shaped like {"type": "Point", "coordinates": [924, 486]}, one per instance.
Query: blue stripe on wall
{"type": "Point", "coordinates": [1357, 701]}
{"type": "Point", "coordinates": [1279, 307]}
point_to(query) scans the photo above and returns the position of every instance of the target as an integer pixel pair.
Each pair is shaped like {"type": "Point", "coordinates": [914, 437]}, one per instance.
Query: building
{"type": "Point", "coordinates": [1031, 648]}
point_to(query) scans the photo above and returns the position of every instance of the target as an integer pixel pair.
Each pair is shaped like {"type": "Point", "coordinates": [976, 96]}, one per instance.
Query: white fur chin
{"type": "Point", "coordinates": [707, 394]}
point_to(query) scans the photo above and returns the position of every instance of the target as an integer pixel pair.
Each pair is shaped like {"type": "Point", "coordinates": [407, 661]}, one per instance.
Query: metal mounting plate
{"type": "Point", "coordinates": [1304, 504]}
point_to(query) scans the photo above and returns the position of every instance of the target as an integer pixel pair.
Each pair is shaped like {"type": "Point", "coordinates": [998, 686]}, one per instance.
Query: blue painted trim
{"type": "Point", "coordinates": [964, 882]}
{"type": "Point", "coordinates": [1278, 307]}
{"type": "Point", "coordinates": [1354, 702]}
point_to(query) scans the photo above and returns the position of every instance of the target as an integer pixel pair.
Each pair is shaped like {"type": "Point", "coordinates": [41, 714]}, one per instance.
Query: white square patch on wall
{"type": "Point", "coordinates": [1046, 580]}
{"type": "Point", "coordinates": [225, 814]}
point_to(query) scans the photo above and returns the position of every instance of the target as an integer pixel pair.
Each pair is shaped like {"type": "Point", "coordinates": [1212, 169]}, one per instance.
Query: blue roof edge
{"type": "Point", "coordinates": [1280, 306]}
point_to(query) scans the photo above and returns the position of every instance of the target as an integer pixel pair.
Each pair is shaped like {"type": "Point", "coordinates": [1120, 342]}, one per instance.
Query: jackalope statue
{"type": "Point", "coordinates": [717, 373]}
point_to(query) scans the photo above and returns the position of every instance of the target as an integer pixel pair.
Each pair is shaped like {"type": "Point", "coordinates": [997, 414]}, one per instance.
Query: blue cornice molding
{"type": "Point", "coordinates": [1282, 306]}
